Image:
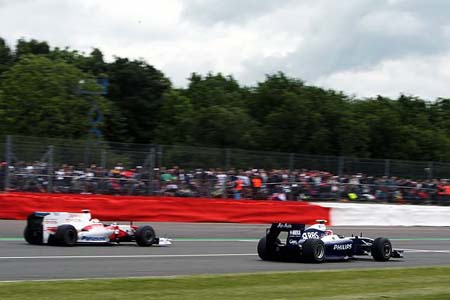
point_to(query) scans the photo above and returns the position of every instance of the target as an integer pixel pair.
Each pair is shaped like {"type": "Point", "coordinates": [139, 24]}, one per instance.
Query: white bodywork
{"type": "Point", "coordinates": [77, 220]}
{"type": "Point", "coordinates": [89, 230]}
{"type": "Point", "coordinates": [328, 236]}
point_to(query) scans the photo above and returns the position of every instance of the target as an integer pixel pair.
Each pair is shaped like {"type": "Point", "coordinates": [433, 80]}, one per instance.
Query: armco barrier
{"type": "Point", "coordinates": [359, 214]}
{"type": "Point", "coordinates": [17, 206]}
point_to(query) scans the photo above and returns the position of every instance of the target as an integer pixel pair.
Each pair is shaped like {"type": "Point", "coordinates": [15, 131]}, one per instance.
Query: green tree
{"type": "Point", "coordinates": [351, 136]}
{"type": "Point", "coordinates": [93, 63]}
{"type": "Point", "coordinates": [24, 47]}
{"type": "Point", "coordinates": [137, 90]}
{"type": "Point", "coordinates": [308, 119]}
{"type": "Point", "coordinates": [287, 127]}
{"type": "Point", "coordinates": [439, 112]}
{"type": "Point", "coordinates": [422, 144]}
{"type": "Point", "coordinates": [52, 92]}
{"type": "Point", "coordinates": [413, 110]}
{"type": "Point", "coordinates": [219, 116]}
{"type": "Point", "coordinates": [383, 121]}
{"type": "Point", "coordinates": [176, 120]}
{"type": "Point", "coordinates": [267, 96]}
{"type": "Point", "coordinates": [2, 112]}
{"type": "Point", "coordinates": [6, 56]}
{"type": "Point", "coordinates": [41, 98]}
{"type": "Point", "coordinates": [222, 126]}
{"type": "Point", "coordinates": [214, 90]}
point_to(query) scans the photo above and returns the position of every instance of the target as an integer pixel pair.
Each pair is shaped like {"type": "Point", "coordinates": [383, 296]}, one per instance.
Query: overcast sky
{"type": "Point", "coordinates": [362, 47]}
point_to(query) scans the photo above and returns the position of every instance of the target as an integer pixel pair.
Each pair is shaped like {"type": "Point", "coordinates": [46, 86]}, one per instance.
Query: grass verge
{"type": "Point", "coordinates": [408, 284]}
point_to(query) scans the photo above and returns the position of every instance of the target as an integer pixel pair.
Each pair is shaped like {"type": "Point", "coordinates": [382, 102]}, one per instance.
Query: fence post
{"type": "Point", "coordinates": [387, 167]}
{"type": "Point", "coordinates": [151, 166]}
{"type": "Point", "coordinates": [430, 170]}
{"type": "Point", "coordinates": [291, 162]}
{"type": "Point", "coordinates": [159, 154]}
{"type": "Point", "coordinates": [341, 162]}
{"type": "Point", "coordinates": [50, 169]}
{"type": "Point", "coordinates": [227, 158]}
{"type": "Point", "coordinates": [87, 152]}
{"type": "Point", "coordinates": [103, 159]}
{"type": "Point", "coordinates": [8, 151]}
{"type": "Point", "coordinates": [340, 172]}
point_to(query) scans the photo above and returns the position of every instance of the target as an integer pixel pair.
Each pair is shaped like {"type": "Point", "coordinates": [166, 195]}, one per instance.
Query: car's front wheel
{"type": "Point", "coordinates": [145, 236]}
{"type": "Point", "coordinates": [381, 249]}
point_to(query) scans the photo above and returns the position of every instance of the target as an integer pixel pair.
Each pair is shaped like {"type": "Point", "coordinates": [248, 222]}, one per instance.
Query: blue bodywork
{"type": "Point", "coordinates": [336, 247]}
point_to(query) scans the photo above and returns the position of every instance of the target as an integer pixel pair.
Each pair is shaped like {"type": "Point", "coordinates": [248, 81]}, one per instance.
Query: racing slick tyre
{"type": "Point", "coordinates": [265, 252]}
{"type": "Point", "coordinates": [314, 251]}
{"type": "Point", "coordinates": [381, 249]}
{"type": "Point", "coordinates": [145, 236]}
{"type": "Point", "coordinates": [32, 237]}
{"type": "Point", "coordinates": [66, 235]}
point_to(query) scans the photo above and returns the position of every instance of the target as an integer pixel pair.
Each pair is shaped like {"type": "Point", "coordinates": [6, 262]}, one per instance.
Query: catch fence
{"type": "Point", "coordinates": [57, 165]}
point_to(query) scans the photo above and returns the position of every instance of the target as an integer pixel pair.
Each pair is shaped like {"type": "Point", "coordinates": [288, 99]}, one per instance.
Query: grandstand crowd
{"type": "Point", "coordinates": [260, 184]}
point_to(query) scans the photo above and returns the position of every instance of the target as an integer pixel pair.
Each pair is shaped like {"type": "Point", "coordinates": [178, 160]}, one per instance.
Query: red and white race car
{"type": "Point", "coordinates": [68, 229]}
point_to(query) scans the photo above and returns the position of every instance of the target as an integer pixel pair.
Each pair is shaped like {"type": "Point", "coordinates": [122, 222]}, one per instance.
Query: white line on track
{"type": "Point", "coordinates": [175, 255]}
{"type": "Point", "coordinates": [426, 251]}
{"type": "Point", "coordinates": [127, 256]}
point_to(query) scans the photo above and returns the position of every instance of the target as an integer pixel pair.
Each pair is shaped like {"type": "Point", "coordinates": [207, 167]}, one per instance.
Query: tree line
{"type": "Point", "coordinates": [53, 92]}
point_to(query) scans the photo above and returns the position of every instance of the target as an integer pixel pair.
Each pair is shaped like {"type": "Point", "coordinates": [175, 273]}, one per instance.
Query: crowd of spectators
{"type": "Point", "coordinates": [282, 185]}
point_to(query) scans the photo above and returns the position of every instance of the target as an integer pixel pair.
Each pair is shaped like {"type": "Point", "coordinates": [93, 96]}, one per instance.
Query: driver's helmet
{"type": "Point", "coordinates": [329, 232]}
{"type": "Point", "coordinates": [95, 220]}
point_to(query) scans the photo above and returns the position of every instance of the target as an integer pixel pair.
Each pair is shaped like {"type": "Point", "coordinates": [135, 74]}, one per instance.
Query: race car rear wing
{"type": "Point", "coordinates": [286, 227]}
{"type": "Point", "coordinates": [292, 229]}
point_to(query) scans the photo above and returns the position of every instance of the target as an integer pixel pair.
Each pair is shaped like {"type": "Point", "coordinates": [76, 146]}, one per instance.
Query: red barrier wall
{"type": "Point", "coordinates": [18, 206]}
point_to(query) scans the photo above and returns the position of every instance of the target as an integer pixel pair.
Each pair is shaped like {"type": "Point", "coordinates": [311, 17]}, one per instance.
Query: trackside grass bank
{"type": "Point", "coordinates": [408, 284]}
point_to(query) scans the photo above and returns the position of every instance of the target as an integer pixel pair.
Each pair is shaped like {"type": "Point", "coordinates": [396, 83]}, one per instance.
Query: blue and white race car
{"type": "Point", "coordinates": [316, 244]}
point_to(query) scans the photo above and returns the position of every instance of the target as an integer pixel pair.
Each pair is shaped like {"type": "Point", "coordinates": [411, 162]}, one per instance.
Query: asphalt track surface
{"type": "Point", "coordinates": [199, 249]}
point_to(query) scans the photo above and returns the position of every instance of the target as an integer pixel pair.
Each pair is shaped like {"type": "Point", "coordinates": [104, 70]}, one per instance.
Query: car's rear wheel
{"type": "Point", "coordinates": [66, 235]}
{"type": "Point", "coordinates": [32, 237]}
{"type": "Point", "coordinates": [381, 249]}
{"type": "Point", "coordinates": [265, 251]}
{"type": "Point", "coordinates": [145, 236]}
{"type": "Point", "coordinates": [313, 250]}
